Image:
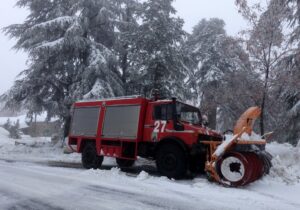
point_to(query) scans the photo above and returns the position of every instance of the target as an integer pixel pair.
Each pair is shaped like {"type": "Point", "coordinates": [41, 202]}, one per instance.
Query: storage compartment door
{"type": "Point", "coordinates": [85, 121]}
{"type": "Point", "coordinates": [121, 122]}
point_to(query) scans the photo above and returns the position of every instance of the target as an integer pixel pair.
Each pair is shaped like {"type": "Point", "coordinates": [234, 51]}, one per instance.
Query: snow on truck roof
{"type": "Point", "coordinates": [120, 98]}
{"type": "Point", "coordinates": [128, 98]}
{"type": "Point", "coordinates": [133, 97]}
{"type": "Point", "coordinates": [110, 99]}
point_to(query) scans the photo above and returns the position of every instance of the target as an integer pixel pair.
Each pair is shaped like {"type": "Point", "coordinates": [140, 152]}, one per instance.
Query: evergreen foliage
{"type": "Point", "coordinates": [157, 53]}
{"type": "Point", "coordinates": [69, 44]}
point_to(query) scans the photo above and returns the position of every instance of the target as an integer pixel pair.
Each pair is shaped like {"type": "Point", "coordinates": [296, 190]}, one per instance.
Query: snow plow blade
{"type": "Point", "coordinates": [241, 159]}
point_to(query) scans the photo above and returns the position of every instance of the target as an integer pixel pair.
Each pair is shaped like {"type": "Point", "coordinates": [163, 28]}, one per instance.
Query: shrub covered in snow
{"type": "Point", "coordinates": [13, 129]}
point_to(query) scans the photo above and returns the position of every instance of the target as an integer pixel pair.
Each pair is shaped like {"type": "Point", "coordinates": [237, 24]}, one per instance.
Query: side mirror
{"type": "Point", "coordinates": [205, 121]}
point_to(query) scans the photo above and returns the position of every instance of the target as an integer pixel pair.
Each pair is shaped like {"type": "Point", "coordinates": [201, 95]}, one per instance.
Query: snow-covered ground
{"type": "Point", "coordinates": [27, 181]}
{"type": "Point", "coordinates": [23, 119]}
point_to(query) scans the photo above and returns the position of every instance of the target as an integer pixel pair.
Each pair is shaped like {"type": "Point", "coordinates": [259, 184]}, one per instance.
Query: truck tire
{"type": "Point", "coordinates": [89, 157]}
{"type": "Point", "coordinates": [124, 162]}
{"type": "Point", "coordinates": [171, 161]}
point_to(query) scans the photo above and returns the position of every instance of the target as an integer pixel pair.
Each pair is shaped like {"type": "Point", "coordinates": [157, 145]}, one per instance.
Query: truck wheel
{"type": "Point", "coordinates": [171, 161]}
{"type": "Point", "coordinates": [124, 163]}
{"type": "Point", "coordinates": [89, 157]}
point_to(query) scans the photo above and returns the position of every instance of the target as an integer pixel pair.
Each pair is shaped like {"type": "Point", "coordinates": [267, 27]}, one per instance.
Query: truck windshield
{"type": "Point", "coordinates": [188, 113]}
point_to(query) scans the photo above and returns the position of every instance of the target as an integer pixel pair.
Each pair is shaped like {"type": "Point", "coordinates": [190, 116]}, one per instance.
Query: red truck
{"type": "Point", "coordinates": [169, 131]}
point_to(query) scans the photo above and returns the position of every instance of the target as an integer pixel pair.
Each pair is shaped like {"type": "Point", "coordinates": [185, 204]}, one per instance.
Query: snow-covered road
{"type": "Point", "coordinates": [39, 176]}
{"type": "Point", "coordinates": [33, 186]}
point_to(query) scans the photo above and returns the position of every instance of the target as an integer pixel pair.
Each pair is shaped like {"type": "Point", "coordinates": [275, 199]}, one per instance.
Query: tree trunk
{"type": "Point", "coordinates": [212, 118]}
{"type": "Point", "coordinates": [67, 124]}
{"type": "Point", "coordinates": [263, 103]}
{"type": "Point", "coordinates": [261, 123]}
{"type": "Point", "coordinates": [124, 66]}
{"type": "Point", "coordinates": [124, 55]}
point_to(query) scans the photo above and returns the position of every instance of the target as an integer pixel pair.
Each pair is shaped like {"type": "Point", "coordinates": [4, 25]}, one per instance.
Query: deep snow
{"type": "Point", "coordinates": [28, 182]}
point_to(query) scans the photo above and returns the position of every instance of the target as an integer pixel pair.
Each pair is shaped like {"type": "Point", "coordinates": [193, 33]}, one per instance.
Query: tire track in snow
{"type": "Point", "coordinates": [33, 204]}
{"type": "Point", "coordinates": [278, 198]}
{"type": "Point", "coordinates": [147, 201]}
{"type": "Point", "coordinates": [16, 201]}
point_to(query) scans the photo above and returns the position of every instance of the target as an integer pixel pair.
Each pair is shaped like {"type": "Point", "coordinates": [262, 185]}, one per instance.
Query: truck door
{"type": "Point", "coordinates": [158, 120]}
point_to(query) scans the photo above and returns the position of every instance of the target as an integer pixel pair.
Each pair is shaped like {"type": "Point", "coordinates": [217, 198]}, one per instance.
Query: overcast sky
{"type": "Point", "coordinates": [192, 11]}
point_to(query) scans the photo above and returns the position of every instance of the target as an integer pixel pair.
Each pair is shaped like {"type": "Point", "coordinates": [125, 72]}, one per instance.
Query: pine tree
{"type": "Point", "coordinates": [90, 49]}
{"type": "Point", "coordinates": [101, 76]}
{"type": "Point", "coordinates": [157, 56]}
{"type": "Point", "coordinates": [42, 37]}
{"type": "Point", "coordinates": [70, 47]}
{"type": "Point", "coordinates": [128, 13]}
{"type": "Point", "coordinates": [204, 45]}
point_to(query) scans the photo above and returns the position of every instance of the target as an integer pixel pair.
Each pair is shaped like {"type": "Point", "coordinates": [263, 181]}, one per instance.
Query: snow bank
{"type": "Point", "coordinates": [253, 137]}
{"type": "Point", "coordinates": [3, 133]}
{"type": "Point", "coordinates": [286, 162]}
{"type": "Point", "coordinates": [37, 150]}
{"type": "Point", "coordinates": [163, 193]}
{"type": "Point", "coordinates": [23, 119]}
{"type": "Point", "coordinates": [143, 175]}
{"type": "Point", "coordinates": [32, 149]}
{"type": "Point", "coordinates": [4, 137]}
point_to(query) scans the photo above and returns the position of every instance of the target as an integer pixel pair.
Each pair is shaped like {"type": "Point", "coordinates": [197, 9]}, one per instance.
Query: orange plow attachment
{"type": "Point", "coordinates": [241, 159]}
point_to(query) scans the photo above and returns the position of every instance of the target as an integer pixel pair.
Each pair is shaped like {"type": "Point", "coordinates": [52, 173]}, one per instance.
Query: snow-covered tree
{"type": "Point", "coordinates": [219, 65]}
{"type": "Point", "coordinates": [273, 42]}
{"type": "Point", "coordinates": [157, 50]}
{"type": "Point", "coordinates": [266, 45]}
{"type": "Point", "coordinates": [128, 13]}
{"type": "Point", "coordinates": [43, 84]}
{"type": "Point", "coordinates": [285, 87]}
{"type": "Point", "coordinates": [287, 92]}
{"type": "Point", "coordinates": [101, 76]}
{"type": "Point", "coordinates": [290, 92]}
{"type": "Point", "coordinates": [70, 48]}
